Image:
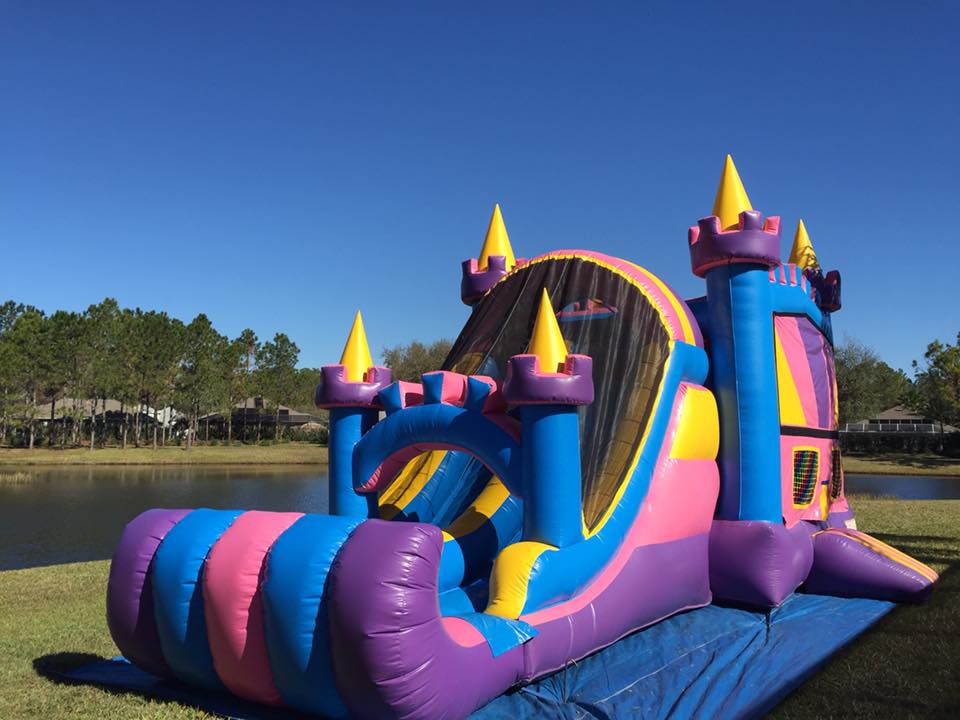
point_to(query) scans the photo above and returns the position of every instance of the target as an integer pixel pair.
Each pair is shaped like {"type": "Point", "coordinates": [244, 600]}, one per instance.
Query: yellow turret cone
{"type": "Point", "coordinates": [802, 254]}
{"type": "Point", "coordinates": [497, 242]}
{"type": "Point", "coordinates": [731, 196]}
{"type": "Point", "coordinates": [356, 353]}
{"type": "Point", "coordinates": [547, 340]}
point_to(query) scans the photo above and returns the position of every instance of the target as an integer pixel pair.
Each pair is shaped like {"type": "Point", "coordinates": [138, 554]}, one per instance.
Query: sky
{"type": "Point", "coordinates": [280, 165]}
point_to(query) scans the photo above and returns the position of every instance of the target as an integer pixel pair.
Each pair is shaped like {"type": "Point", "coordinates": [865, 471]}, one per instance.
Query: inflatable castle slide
{"type": "Point", "coordinates": [595, 455]}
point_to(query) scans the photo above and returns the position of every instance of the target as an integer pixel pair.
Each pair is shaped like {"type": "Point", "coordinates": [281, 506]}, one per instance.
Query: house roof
{"type": "Point", "coordinates": [66, 406]}
{"type": "Point", "coordinates": [903, 414]}
{"type": "Point", "coordinates": [256, 405]}
{"type": "Point", "coordinates": [900, 413]}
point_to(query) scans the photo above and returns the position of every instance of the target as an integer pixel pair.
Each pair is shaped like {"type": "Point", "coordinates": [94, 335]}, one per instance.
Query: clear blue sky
{"type": "Point", "coordinates": [277, 165]}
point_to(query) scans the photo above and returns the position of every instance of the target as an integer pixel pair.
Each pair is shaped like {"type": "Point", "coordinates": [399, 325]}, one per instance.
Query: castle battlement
{"type": "Point", "coordinates": [475, 282]}
{"type": "Point", "coordinates": [790, 274]}
{"type": "Point", "coordinates": [496, 259]}
{"type": "Point", "coordinates": [824, 290]}
{"type": "Point", "coordinates": [754, 240]}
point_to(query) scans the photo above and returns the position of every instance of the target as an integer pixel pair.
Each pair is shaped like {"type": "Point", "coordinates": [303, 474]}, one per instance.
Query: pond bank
{"type": "Point", "coordinates": [292, 453]}
{"type": "Point", "coordinates": [902, 464]}
{"type": "Point", "coordinates": [296, 453]}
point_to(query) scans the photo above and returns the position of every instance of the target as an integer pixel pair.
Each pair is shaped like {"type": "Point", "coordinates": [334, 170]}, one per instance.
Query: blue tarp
{"type": "Point", "coordinates": [716, 662]}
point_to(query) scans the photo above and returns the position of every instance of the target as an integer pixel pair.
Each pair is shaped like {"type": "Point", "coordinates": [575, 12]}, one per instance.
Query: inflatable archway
{"type": "Point", "coordinates": [595, 455]}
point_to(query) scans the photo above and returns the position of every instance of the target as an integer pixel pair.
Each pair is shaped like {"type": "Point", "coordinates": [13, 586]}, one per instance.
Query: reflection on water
{"type": "Point", "coordinates": [906, 487]}
{"type": "Point", "coordinates": [74, 513]}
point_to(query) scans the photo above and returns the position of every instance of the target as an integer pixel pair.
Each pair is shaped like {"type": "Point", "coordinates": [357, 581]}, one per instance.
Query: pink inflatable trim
{"type": "Point", "coordinates": [233, 605]}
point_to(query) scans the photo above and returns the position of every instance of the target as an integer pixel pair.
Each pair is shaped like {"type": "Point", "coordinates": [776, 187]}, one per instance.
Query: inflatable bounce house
{"type": "Point", "coordinates": [596, 455]}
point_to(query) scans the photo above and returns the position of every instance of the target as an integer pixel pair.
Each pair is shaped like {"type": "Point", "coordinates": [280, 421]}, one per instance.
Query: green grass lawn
{"type": "Point", "coordinates": [51, 619]}
{"type": "Point", "coordinates": [908, 665]}
{"type": "Point", "coordinates": [901, 464]}
{"type": "Point", "coordinates": [293, 453]}
{"type": "Point", "coordinates": [296, 453]}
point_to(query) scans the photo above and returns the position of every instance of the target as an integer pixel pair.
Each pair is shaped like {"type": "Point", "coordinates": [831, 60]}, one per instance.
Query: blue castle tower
{"type": "Point", "coordinates": [778, 457]}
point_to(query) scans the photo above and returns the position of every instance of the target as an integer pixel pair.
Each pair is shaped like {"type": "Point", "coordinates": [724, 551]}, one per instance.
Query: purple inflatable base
{"type": "Point", "coordinates": [760, 564]}
{"type": "Point", "coordinates": [757, 563]}
{"type": "Point", "coordinates": [848, 568]}
{"type": "Point", "coordinates": [843, 519]}
{"type": "Point", "coordinates": [396, 659]}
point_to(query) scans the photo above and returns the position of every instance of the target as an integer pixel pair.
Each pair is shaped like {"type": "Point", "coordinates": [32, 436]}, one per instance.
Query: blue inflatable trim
{"type": "Point", "coordinates": [445, 425]}
{"type": "Point", "coordinates": [791, 299]}
{"type": "Point", "coordinates": [295, 615]}
{"type": "Point", "coordinates": [178, 598]}
{"type": "Point", "coordinates": [501, 634]}
{"type": "Point", "coordinates": [455, 601]}
{"type": "Point", "coordinates": [453, 486]}
{"type": "Point", "coordinates": [347, 426]}
{"type": "Point", "coordinates": [469, 557]}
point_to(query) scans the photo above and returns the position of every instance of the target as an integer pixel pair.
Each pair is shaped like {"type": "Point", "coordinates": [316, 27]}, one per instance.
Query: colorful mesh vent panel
{"type": "Point", "coordinates": [603, 316]}
{"type": "Point", "coordinates": [806, 464]}
{"type": "Point", "coordinates": [836, 474]}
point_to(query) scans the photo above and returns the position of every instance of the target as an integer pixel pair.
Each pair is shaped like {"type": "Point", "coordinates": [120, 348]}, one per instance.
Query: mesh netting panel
{"type": "Point", "coordinates": [602, 315]}
{"type": "Point", "coordinates": [806, 463]}
{"type": "Point", "coordinates": [836, 474]}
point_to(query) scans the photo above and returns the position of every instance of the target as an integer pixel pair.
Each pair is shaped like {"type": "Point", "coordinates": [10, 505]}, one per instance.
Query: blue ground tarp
{"type": "Point", "coordinates": [716, 662]}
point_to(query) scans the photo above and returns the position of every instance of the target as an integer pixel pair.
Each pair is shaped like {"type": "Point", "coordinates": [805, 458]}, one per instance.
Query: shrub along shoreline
{"type": "Point", "coordinates": [288, 453]}
{"type": "Point", "coordinates": [902, 464]}
{"type": "Point", "coordinates": [305, 453]}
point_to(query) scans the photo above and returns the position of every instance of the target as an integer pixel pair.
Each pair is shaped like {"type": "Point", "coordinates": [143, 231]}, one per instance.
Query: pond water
{"type": "Point", "coordinates": [69, 513]}
{"type": "Point", "coordinates": [906, 487]}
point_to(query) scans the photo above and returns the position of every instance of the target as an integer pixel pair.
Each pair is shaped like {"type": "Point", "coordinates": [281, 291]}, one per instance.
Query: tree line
{"type": "Point", "coordinates": [408, 362]}
{"type": "Point", "coordinates": [867, 386]}
{"type": "Point", "coordinates": [75, 361]}
{"type": "Point", "coordinates": [70, 362]}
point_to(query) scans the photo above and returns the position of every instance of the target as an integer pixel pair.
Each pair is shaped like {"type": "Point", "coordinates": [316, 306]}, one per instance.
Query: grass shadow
{"type": "Point", "coordinates": [903, 666]}
{"type": "Point", "coordinates": [929, 549]}
{"type": "Point", "coordinates": [130, 681]}
{"type": "Point", "coordinates": [56, 666]}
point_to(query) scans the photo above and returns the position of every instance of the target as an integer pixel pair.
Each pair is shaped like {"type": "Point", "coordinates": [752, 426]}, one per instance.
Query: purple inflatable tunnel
{"type": "Point", "coordinates": [397, 657]}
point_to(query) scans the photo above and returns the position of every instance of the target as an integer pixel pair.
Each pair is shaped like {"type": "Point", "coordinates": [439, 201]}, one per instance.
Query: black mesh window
{"type": "Point", "coordinates": [601, 315]}
{"type": "Point", "coordinates": [836, 475]}
{"type": "Point", "coordinates": [806, 465]}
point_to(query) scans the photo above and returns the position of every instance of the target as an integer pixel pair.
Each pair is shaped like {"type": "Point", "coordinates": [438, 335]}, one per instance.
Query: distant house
{"type": "Point", "coordinates": [255, 412]}
{"type": "Point", "coordinates": [901, 420]}
{"type": "Point", "coordinates": [264, 411]}
{"type": "Point", "coordinates": [84, 408]}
